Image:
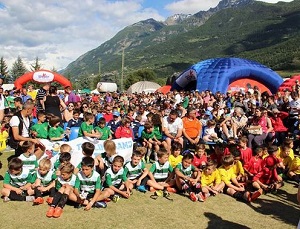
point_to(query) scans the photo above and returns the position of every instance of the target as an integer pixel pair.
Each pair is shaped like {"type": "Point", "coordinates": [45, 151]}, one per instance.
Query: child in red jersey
{"type": "Point", "coordinates": [255, 164]}
{"type": "Point", "coordinates": [200, 157]}
{"type": "Point", "coordinates": [246, 152]}
{"type": "Point", "coordinates": [267, 179]}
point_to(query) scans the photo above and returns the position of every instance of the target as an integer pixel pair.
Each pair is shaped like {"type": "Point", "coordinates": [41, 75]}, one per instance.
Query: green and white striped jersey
{"type": "Point", "coordinates": [114, 179]}
{"type": "Point", "coordinates": [60, 182]}
{"type": "Point", "coordinates": [18, 180]}
{"type": "Point", "coordinates": [88, 184]}
{"type": "Point", "coordinates": [159, 171]}
{"type": "Point", "coordinates": [29, 162]}
{"type": "Point", "coordinates": [132, 172]}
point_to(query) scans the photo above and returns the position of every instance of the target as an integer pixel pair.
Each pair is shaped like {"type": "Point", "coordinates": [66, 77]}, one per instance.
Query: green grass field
{"type": "Point", "coordinates": [140, 211]}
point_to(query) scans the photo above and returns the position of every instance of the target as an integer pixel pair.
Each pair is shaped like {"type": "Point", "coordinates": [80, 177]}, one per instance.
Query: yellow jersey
{"type": "Point", "coordinates": [212, 179]}
{"type": "Point", "coordinates": [174, 161]}
{"type": "Point", "coordinates": [226, 175]}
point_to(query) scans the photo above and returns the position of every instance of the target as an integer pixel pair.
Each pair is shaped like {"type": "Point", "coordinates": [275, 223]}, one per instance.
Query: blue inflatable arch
{"type": "Point", "coordinates": [218, 73]}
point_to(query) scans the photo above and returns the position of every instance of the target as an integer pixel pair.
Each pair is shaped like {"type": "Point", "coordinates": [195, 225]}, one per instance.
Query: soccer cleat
{"type": "Point", "coordinates": [100, 204]}
{"type": "Point", "coordinates": [185, 187]}
{"type": "Point", "coordinates": [57, 212]}
{"type": "Point", "coordinates": [166, 194]}
{"type": "Point", "coordinates": [29, 198]}
{"type": "Point", "coordinates": [172, 190]}
{"type": "Point", "coordinates": [50, 212]}
{"type": "Point", "coordinates": [201, 198]}
{"type": "Point", "coordinates": [255, 195]}
{"type": "Point", "coordinates": [116, 198]}
{"type": "Point", "coordinates": [38, 200]}
{"type": "Point", "coordinates": [49, 200]}
{"type": "Point", "coordinates": [193, 197]}
{"type": "Point", "coordinates": [158, 193]}
{"type": "Point", "coordinates": [141, 188]}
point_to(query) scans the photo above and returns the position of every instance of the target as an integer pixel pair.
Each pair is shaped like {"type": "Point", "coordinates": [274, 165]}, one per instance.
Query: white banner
{"type": "Point", "coordinates": [124, 148]}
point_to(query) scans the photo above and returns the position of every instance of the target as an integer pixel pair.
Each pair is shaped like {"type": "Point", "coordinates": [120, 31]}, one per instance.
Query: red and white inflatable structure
{"type": "Point", "coordinates": [42, 76]}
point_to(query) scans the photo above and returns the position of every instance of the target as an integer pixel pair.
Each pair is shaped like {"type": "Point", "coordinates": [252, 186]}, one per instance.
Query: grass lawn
{"type": "Point", "coordinates": [140, 211]}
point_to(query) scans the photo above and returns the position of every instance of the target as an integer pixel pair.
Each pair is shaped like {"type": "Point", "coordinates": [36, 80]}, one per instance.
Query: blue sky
{"type": "Point", "coordinates": [58, 32]}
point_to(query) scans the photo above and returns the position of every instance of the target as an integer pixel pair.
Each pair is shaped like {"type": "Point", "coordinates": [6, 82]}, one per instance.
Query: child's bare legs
{"type": "Point", "coordinates": [155, 185]}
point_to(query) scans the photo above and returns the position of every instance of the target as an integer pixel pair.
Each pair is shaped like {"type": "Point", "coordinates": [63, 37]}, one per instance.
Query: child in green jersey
{"type": "Point", "coordinates": [64, 185]}
{"type": "Point", "coordinates": [17, 182]}
{"type": "Point", "coordinates": [103, 130]}
{"type": "Point", "coordinates": [88, 186]}
{"type": "Point", "coordinates": [86, 129]}
{"type": "Point", "coordinates": [40, 129]}
{"type": "Point", "coordinates": [28, 157]}
{"type": "Point", "coordinates": [44, 183]}
{"type": "Point", "coordinates": [56, 132]}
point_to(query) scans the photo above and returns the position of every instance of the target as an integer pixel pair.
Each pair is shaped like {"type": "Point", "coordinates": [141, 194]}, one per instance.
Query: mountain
{"type": "Point", "coordinates": [267, 33]}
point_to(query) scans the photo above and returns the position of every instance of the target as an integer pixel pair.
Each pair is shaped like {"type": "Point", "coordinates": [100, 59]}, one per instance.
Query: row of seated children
{"type": "Point", "coordinates": [194, 175]}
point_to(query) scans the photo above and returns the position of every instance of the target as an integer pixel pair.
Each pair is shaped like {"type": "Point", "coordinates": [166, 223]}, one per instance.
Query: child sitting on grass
{"type": "Point", "coordinates": [17, 182]}
{"type": "Point", "coordinates": [64, 148]}
{"type": "Point", "coordinates": [187, 178]}
{"type": "Point", "coordinates": [294, 170]}
{"type": "Point", "coordinates": [44, 183]}
{"type": "Point", "coordinates": [238, 167]}
{"type": "Point", "coordinates": [211, 182]}
{"type": "Point", "coordinates": [255, 164]}
{"type": "Point", "coordinates": [116, 182]}
{"type": "Point", "coordinates": [28, 157]}
{"type": "Point", "coordinates": [105, 159]}
{"type": "Point", "coordinates": [88, 186]}
{"type": "Point", "coordinates": [87, 151]}
{"type": "Point", "coordinates": [268, 180]}
{"type": "Point", "coordinates": [232, 186]}
{"type": "Point", "coordinates": [175, 158]}
{"type": "Point", "coordinates": [136, 172]}
{"type": "Point", "coordinates": [64, 185]}
{"type": "Point", "coordinates": [161, 174]}
{"type": "Point", "coordinates": [200, 158]}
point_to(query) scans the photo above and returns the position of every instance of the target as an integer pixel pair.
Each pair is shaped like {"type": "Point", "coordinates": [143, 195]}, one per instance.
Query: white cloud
{"type": "Point", "coordinates": [60, 31]}
{"type": "Point", "coordinates": [190, 6]}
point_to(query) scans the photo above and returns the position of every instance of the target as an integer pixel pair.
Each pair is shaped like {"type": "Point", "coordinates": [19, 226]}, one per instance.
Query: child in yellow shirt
{"type": "Point", "coordinates": [211, 182]}
{"type": "Point", "coordinates": [294, 170]}
{"type": "Point", "coordinates": [238, 166]}
{"type": "Point", "coordinates": [175, 158]}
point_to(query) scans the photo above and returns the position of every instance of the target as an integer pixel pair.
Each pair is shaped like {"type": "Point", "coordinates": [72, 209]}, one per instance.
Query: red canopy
{"type": "Point", "coordinates": [164, 89]}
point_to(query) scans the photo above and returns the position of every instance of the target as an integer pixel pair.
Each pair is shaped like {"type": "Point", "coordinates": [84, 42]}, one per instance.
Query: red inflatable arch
{"type": "Point", "coordinates": [42, 76]}
{"type": "Point", "coordinates": [289, 83]}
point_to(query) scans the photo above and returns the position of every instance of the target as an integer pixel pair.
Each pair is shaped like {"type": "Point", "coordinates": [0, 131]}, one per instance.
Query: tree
{"type": "Point", "coordinates": [3, 67]}
{"type": "Point", "coordinates": [18, 69]}
{"type": "Point", "coordinates": [36, 65]}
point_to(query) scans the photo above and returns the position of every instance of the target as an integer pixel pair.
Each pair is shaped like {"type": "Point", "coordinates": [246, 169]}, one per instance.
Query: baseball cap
{"type": "Point", "coordinates": [116, 113]}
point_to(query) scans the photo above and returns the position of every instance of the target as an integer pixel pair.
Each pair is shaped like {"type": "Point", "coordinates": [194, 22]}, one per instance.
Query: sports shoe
{"type": "Point", "coordinates": [29, 198]}
{"type": "Point", "coordinates": [166, 193]}
{"type": "Point", "coordinates": [185, 187]}
{"type": "Point", "coordinates": [141, 188]}
{"type": "Point", "coordinates": [57, 212]}
{"type": "Point", "coordinates": [158, 193]}
{"type": "Point", "coordinates": [193, 197]}
{"type": "Point", "coordinates": [6, 199]}
{"type": "Point", "coordinates": [116, 198]}
{"type": "Point", "coordinates": [255, 195]}
{"type": "Point", "coordinates": [50, 212]}
{"type": "Point", "coordinates": [100, 204]}
{"type": "Point", "coordinates": [172, 190]}
{"type": "Point", "coordinates": [38, 200]}
{"type": "Point", "coordinates": [201, 198]}
{"type": "Point", "coordinates": [49, 200]}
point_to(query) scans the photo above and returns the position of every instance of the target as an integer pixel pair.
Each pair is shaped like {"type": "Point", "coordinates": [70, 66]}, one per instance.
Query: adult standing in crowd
{"type": "Point", "coordinates": [53, 103]}
{"type": "Point", "coordinates": [20, 131]}
{"type": "Point", "coordinates": [70, 97]}
{"type": "Point", "coordinates": [40, 97]}
{"type": "Point", "coordinates": [2, 104]}
{"type": "Point", "coordinates": [24, 96]}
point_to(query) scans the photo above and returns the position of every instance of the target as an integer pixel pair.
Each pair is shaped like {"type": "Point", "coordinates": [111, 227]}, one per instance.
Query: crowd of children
{"type": "Point", "coordinates": [230, 169]}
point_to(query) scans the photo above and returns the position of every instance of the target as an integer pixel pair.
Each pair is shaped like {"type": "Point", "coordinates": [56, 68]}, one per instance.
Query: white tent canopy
{"type": "Point", "coordinates": [143, 86]}
{"type": "Point", "coordinates": [95, 91]}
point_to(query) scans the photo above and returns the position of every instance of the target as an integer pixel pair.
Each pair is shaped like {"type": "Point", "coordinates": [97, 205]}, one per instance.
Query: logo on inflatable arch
{"type": "Point", "coordinates": [186, 77]}
{"type": "Point", "coordinates": [43, 76]}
